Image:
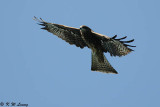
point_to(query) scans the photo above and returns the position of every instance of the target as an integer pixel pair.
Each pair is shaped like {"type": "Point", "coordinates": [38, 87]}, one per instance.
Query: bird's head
{"type": "Point", "coordinates": [84, 28]}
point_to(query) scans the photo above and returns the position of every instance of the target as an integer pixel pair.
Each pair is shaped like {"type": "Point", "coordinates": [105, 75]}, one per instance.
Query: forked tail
{"type": "Point", "coordinates": [103, 66]}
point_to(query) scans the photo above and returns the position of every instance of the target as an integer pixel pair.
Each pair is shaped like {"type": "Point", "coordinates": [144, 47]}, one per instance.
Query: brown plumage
{"type": "Point", "coordinates": [98, 43]}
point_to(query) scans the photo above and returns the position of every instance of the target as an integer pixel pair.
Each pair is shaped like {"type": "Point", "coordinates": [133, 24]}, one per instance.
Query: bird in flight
{"type": "Point", "coordinates": [98, 43]}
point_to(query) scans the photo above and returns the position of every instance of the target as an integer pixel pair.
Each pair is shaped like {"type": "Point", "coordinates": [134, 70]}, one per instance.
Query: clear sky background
{"type": "Point", "coordinates": [40, 69]}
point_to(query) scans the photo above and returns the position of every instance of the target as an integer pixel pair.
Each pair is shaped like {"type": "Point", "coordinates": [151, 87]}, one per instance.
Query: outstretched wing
{"type": "Point", "coordinates": [69, 34]}
{"type": "Point", "coordinates": [116, 47]}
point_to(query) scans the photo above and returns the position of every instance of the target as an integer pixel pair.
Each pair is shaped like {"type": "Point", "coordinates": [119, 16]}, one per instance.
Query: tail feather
{"type": "Point", "coordinates": [104, 66]}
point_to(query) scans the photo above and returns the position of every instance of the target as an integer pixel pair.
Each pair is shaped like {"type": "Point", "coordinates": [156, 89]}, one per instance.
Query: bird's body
{"type": "Point", "coordinates": [92, 42]}
{"type": "Point", "coordinates": [98, 43]}
{"type": "Point", "coordinates": [89, 39]}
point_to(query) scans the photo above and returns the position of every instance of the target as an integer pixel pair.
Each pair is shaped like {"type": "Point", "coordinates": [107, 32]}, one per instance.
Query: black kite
{"type": "Point", "coordinates": [98, 43]}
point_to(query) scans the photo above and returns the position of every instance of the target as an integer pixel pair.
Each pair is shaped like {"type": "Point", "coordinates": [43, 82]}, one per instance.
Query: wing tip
{"type": "Point", "coordinates": [124, 42]}
{"type": "Point", "coordinates": [41, 22]}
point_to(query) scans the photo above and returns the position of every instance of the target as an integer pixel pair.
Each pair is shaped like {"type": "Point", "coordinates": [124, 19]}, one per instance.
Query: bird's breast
{"type": "Point", "coordinates": [91, 40]}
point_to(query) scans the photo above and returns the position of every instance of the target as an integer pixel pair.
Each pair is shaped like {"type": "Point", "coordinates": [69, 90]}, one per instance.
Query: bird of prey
{"type": "Point", "coordinates": [98, 43]}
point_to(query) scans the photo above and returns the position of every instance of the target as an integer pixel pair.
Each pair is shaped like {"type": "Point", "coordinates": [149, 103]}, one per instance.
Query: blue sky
{"type": "Point", "coordinates": [42, 70]}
